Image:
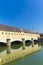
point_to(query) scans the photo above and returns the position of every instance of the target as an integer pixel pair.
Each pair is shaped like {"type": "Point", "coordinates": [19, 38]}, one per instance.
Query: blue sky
{"type": "Point", "coordinates": [22, 13]}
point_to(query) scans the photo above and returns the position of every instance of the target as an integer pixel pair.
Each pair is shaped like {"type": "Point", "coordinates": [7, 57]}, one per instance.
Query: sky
{"type": "Point", "coordinates": [26, 14]}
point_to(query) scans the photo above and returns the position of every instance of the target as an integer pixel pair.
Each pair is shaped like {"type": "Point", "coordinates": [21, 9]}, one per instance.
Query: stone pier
{"type": "Point", "coordinates": [8, 46]}
{"type": "Point", "coordinates": [23, 42]}
{"type": "Point", "coordinates": [32, 42]}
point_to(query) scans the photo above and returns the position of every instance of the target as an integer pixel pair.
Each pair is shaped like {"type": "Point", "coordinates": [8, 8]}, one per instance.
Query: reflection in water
{"type": "Point", "coordinates": [2, 49]}
{"type": "Point", "coordinates": [33, 59]}
{"type": "Point", "coordinates": [8, 49]}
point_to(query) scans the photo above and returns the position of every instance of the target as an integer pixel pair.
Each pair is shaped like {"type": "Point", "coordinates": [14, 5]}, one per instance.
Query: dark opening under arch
{"type": "Point", "coordinates": [16, 44]}
{"type": "Point", "coordinates": [2, 46]}
{"type": "Point", "coordinates": [28, 42]}
{"type": "Point", "coordinates": [35, 42]}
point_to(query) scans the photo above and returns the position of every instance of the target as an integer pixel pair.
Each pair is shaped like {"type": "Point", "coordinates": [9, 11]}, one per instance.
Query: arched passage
{"type": "Point", "coordinates": [40, 41]}
{"type": "Point", "coordinates": [35, 42]}
{"type": "Point", "coordinates": [28, 42]}
{"type": "Point", "coordinates": [16, 44]}
{"type": "Point", "coordinates": [2, 46]}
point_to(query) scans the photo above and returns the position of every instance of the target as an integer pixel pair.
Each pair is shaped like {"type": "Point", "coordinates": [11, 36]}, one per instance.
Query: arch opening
{"type": "Point", "coordinates": [2, 46]}
{"type": "Point", "coordinates": [28, 42]}
{"type": "Point", "coordinates": [40, 41]}
{"type": "Point", "coordinates": [16, 44]}
{"type": "Point", "coordinates": [36, 42]}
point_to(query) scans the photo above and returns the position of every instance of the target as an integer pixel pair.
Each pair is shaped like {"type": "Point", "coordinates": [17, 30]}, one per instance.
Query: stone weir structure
{"type": "Point", "coordinates": [10, 34]}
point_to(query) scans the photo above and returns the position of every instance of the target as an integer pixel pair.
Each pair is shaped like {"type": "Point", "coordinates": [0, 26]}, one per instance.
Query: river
{"type": "Point", "coordinates": [32, 59]}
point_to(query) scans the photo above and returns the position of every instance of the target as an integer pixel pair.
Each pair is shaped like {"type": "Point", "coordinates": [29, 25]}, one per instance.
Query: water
{"type": "Point", "coordinates": [33, 59]}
